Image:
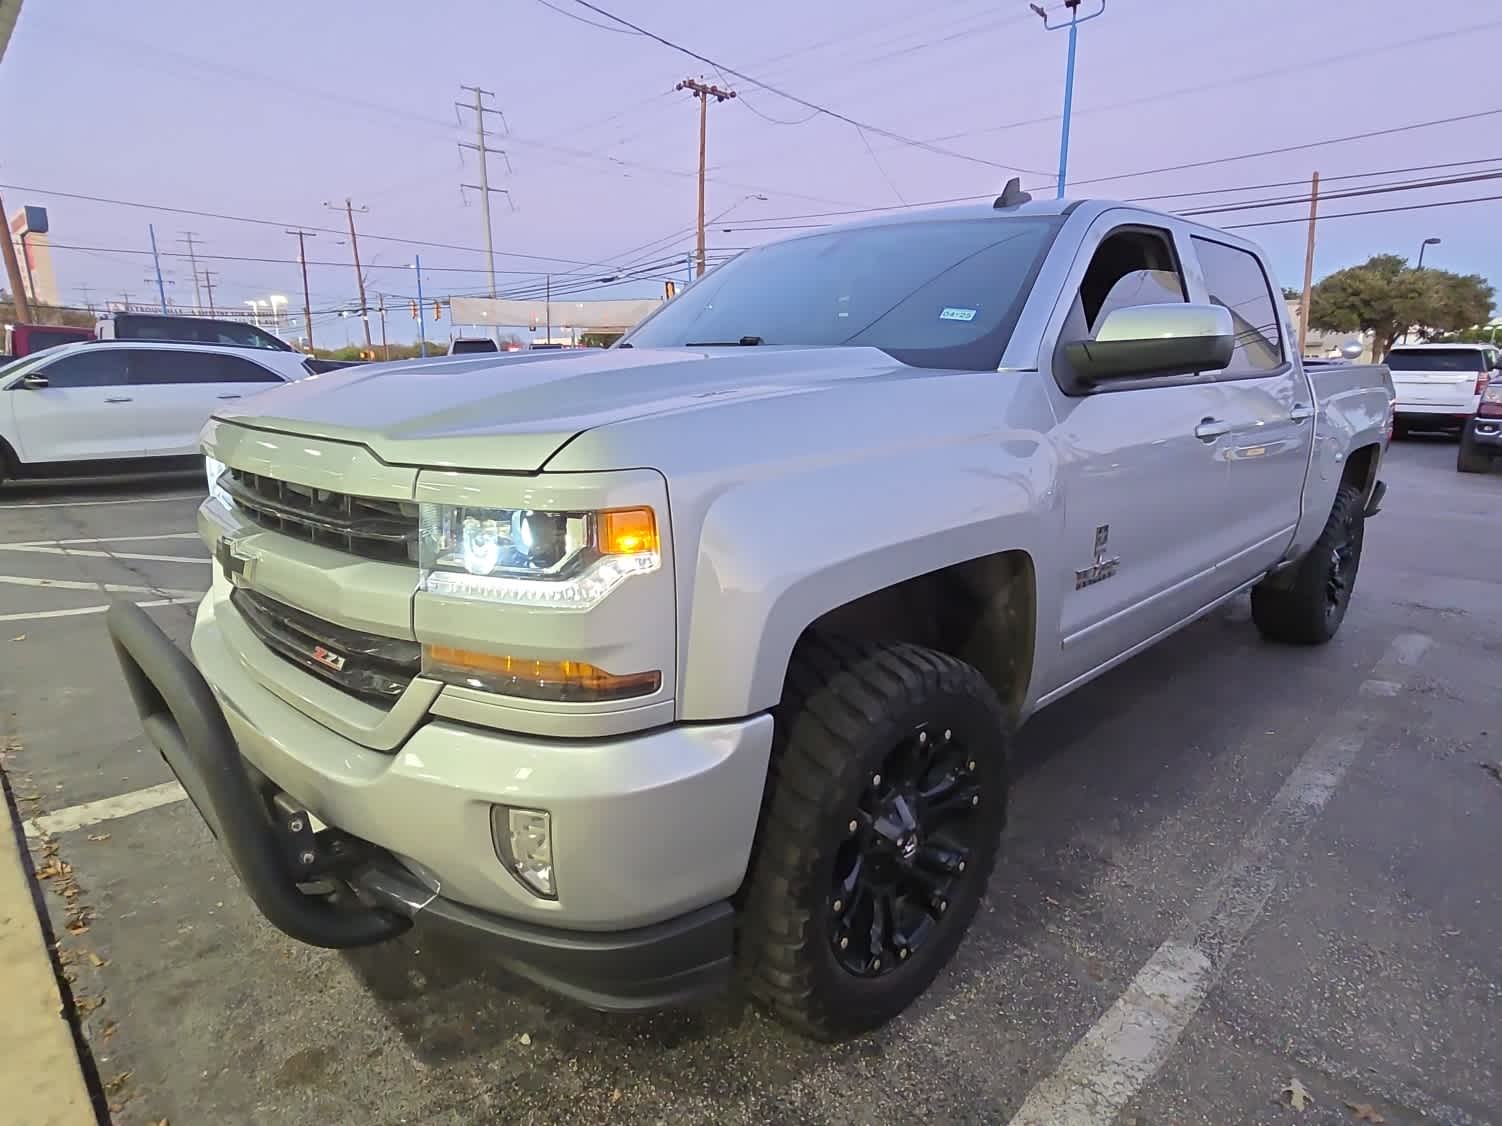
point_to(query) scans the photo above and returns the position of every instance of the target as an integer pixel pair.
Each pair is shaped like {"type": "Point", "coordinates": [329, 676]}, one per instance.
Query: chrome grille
{"type": "Point", "coordinates": [365, 664]}
{"type": "Point", "coordinates": [366, 526]}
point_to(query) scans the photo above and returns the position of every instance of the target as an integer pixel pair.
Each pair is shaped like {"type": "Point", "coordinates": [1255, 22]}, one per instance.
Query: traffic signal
{"type": "Point", "coordinates": [669, 289]}
{"type": "Point", "coordinates": [437, 311]}
{"type": "Point", "coordinates": [414, 310]}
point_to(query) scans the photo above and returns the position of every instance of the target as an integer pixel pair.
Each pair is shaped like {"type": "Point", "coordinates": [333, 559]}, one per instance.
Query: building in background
{"type": "Point", "coordinates": [1327, 345]}
{"type": "Point", "coordinates": [28, 230]}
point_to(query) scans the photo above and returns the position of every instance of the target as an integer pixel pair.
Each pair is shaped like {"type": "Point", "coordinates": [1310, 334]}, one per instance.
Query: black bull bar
{"type": "Point", "coordinates": [184, 721]}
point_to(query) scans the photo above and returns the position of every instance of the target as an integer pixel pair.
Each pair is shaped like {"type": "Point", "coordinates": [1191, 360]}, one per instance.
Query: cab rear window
{"type": "Point", "coordinates": [1436, 359]}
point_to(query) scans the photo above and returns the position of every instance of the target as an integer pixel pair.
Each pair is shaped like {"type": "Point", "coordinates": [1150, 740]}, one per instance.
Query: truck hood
{"type": "Point", "coordinates": [513, 413]}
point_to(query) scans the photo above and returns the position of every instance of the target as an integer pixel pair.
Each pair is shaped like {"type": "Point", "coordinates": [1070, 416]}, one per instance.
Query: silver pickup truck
{"type": "Point", "coordinates": [698, 658]}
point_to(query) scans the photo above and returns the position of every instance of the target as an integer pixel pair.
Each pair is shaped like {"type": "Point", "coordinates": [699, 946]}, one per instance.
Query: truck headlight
{"type": "Point", "coordinates": [565, 560]}
{"type": "Point", "coordinates": [213, 469]}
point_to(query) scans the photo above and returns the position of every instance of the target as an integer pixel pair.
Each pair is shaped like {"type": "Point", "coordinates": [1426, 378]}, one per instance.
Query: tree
{"type": "Point", "coordinates": [1386, 298]}
{"type": "Point", "coordinates": [45, 314]}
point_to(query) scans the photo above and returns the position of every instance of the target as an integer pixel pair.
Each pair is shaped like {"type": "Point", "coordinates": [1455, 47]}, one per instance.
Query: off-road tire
{"type": "Point", "coordinates": [1301, 613]}
{"type": "Point", "coordinates": [845, 706]}
{"type": "Point", "coordinates": [1468, 459]}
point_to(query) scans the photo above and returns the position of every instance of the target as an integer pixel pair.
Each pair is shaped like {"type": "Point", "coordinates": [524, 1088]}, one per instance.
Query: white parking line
{"type": "Point", "coordinates": [103, 539]}
{"type": "Point", "coordinates": [1124, 1049]}
{"type": "Point", "coordinates": [91, 553]}
{"type": "Point", "coordinates": [76, 611]}
{"type": "Point", "coordinates": [105, 809]}
{"type": "Point", "coordinates": [103, 588]}
{"type": "Point", "coordinates": [81, 503]}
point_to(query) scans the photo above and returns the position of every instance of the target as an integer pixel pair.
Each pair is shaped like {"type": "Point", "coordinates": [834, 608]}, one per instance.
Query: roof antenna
{"type": "Point", "coordinates": [1012, 195]}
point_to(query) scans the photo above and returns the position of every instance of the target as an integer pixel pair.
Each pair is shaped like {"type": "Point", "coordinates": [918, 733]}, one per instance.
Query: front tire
{"type": "Point", "coordinates": [1309, 609]}
{"type": "Point", "coordinates": [885, 808]}
{"type": "Point", "coordinates": [1469, 459]}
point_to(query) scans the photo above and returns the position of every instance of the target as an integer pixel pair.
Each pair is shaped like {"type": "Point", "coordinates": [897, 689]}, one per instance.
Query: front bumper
{"type": "Point", "coordinates": [1487, 433]}
{"type": "Point", "coordinates": [615, 965]}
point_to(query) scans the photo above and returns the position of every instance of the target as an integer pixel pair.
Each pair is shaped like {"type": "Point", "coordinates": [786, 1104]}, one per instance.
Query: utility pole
{"type": "Point", "coordinates": [704, 93]}
{"type": "Point", "coordinates": [161, 288]}
{"type": "Point", "coordinates": [13, 266]}
{"type": "Point", "coordinates": [302, 260]}
{"type": "Point", "coordinates": [548, 306]}
{"type": "Point", "coordinates": [1308, 265]}
{"type": "Point", "coordinates": [1073, 25]}
{"type": "Point", "coordinates": [87, 304]}
{"type": "Point", "coordinates": [349, 210]}
{"type": "Point", "coordinates": [422, 333]}
{"type": "Point", "coordinates": [208, 284]}
{"type": "Point", "coordinates": [480, 109]}
{"type": "Point", "coordinates": [381, 305]}
{"type": "Point", "coordinates": [188, 237]}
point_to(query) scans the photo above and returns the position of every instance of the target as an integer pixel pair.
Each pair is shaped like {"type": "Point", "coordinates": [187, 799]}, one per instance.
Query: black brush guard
{"type": "Point", "coordinates": [183, 720]}
{"type": "Point", "coordinates": [373, 898]}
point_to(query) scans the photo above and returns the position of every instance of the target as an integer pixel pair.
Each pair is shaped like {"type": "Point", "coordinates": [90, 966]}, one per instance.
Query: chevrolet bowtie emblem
{"type": "Point", "coordinates": [238, 562]}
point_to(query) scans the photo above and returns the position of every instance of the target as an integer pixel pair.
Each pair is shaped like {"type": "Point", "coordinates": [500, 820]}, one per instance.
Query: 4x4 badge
{"type": "Point", "coordinates": [1103, 567]}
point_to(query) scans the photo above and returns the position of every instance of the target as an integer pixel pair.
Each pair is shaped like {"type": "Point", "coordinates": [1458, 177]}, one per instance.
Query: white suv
{"type": "Point", "coordinates": [109, 404]}
{"type": "Point", "coordinates": [1439, 385]}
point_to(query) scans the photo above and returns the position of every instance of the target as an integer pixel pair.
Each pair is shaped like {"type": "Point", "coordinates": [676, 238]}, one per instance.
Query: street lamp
{"type": "Point", "coordinates": [1075, 19]}
{"type": "Point", "coordinates": [1426, 243]}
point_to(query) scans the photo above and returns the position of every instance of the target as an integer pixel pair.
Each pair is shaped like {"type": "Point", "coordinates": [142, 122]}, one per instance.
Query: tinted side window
{"type": "Point", "coordinates": [104, 368]}
{"type": "Point", "coordinates": [1237, 282]}
{"type": "Point", "coordinates": [235, 369]}
{"type": "Point", "coordinates": [157, 366]}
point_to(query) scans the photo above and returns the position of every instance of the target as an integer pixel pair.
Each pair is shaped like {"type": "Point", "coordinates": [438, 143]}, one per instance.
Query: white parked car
{"type": "Point", "coordinates": [121, 404]}
{"type": "Point", "coordinates": [1439, 386]}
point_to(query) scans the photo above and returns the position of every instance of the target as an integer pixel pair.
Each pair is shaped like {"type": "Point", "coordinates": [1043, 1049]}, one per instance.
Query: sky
{"type": "Point", "coordinates": [266, 111]}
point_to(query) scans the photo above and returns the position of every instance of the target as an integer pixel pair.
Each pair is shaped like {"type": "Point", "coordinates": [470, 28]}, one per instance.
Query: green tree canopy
{"type": "Point", "coordinates": [1385, 297]}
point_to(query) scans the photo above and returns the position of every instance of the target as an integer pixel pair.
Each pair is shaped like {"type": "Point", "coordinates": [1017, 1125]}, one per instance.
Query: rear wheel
{"type": "Point", "coordinates": [884, 816]}
{"type": "Point", "coordinates": [1309, 609]}
{"type": "Point", "coordinates": [1469, 458]}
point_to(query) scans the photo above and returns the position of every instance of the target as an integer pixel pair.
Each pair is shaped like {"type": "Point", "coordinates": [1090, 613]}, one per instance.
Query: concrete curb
{"type": "Point", "coordinates": [39, 1069]}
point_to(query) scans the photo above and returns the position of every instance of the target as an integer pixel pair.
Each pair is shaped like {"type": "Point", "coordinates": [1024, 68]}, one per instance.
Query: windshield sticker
{"type": "Point", "coordinates": [952, 314]}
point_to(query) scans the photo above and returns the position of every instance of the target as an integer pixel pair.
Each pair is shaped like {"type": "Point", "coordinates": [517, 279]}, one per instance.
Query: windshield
{"type": "Point", "coordinates": [1436, 359]}
{"type": "Point", "coordinates": [938, 294]}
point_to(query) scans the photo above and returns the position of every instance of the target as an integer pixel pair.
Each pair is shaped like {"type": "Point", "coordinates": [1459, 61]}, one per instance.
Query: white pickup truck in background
{"type": "Point", "coordinates": [703, 654]}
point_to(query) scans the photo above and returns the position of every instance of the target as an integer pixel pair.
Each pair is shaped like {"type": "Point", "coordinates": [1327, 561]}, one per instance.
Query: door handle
{"type": "Point", "coordinates": [226, 396]}
{"type": "Point", "coordinates": [1210, 429]}
{"type": "Point", "coordinates": [1301, 412]}
{"type": "Point", "coordinates": [119, 399]}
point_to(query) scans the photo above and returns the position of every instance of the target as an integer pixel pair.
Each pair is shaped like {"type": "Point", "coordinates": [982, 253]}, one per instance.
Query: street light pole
{"type": "Point", "coordinates": [1428, 242]}
{"type": "Point", "coordinates": [1075, 19]}
{"type": "Point", "coordinates": [422, 332]}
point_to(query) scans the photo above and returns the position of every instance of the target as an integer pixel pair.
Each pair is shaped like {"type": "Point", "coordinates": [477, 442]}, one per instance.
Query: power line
{"type": "Point", "coordinates": [1350, 193]}
{"type": "Point", "coordinates": [1392, 130]}
{"type": "Point", "coordinates": [1372, 211]}
{"type": "Point", "coordinates": [586, 22]}
{"type": "Point", "coordinates": [804, 102]}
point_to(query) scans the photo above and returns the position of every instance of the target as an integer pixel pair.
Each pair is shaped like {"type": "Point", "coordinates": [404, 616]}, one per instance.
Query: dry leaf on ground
{"type": "Point", "coordinates": [1365, 1112]}
{"type": "Point", "coordinates": [99, 836]}
{"type": "Point", "coordinates": [1298, 1095]}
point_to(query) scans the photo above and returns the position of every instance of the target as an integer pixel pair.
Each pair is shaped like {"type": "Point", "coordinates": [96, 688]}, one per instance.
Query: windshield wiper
{"type": "Point", "coordinates": [743, 342]}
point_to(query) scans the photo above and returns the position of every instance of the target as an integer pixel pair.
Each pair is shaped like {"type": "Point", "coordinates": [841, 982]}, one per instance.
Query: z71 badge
{"type": "Point", "coordinates": [1103, 567]}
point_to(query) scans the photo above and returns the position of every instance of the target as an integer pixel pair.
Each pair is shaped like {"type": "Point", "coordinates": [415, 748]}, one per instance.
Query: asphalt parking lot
{"type": "Point", "coordinates": [1230, 866]}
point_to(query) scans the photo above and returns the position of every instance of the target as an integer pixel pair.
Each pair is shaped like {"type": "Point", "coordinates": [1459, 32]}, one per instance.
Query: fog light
{"type": "Point", "coordinates": [524, 842]}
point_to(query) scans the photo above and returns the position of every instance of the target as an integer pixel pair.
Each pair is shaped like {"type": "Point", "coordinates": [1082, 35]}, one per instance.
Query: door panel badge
{"type": "Point", "coordinates": [1104, 566]}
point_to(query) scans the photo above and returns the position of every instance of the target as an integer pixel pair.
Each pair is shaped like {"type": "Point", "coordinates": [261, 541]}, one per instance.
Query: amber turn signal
{"type": "Point", "coordinates": [628, 531]}
{"type": "Point", "coordinates": [530, 679]}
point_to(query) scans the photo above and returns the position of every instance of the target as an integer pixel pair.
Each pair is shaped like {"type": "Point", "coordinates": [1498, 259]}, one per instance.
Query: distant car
{"type": "Point", "coordinates": [28, 339]}
{"type": "Point", "coordinates": [1481, 440]}
{"type": "Point", "coordinates": [1439, 386]}
{"type": "Point", "coordinates": [101, 405]}
{"type": "Point", "coordinates": [464, 346]}
{"type": "Point", "coordinates": [188, 330]}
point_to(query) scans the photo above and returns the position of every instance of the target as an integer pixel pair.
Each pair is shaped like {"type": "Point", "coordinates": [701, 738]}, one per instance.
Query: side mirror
{"type": "Point", "coordinates": [35, 381]}
{"type": "Point", "coordinates": [1144, 341]}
